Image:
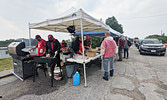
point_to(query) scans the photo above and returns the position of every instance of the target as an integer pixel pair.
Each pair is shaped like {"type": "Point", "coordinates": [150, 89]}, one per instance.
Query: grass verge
{"type": "Point", "coordinates": [6, 64]}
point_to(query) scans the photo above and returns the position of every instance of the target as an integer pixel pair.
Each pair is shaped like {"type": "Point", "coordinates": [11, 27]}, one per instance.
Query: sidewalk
{"type": "Point", "coordinates": [5, 73]}
{"type": "Point", "coordinates": [141, 77]}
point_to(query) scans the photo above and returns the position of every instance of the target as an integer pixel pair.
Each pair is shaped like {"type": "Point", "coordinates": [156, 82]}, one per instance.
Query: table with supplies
{"type": "Point", "coordinates": [96, 59]}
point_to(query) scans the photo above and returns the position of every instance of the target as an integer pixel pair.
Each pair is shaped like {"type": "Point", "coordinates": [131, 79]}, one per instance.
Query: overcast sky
{"type": "Point", "coordinates": [139, 18]}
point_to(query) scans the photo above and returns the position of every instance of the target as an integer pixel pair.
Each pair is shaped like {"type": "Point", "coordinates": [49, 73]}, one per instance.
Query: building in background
{"type": "Point", "coordinates": [4, 52]}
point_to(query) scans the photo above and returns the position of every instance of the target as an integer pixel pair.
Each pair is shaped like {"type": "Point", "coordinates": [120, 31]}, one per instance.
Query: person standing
{"type": "Point", "coordinates": [87, 43]}
{"type": "Point", "coordinates": [120, 47]}
{"type": "Point", "coordinates": [40, 46]}
{"type": "Point", "coordinates": [71, 47]}
{"type": "Point", "coordinates": [108, 47]}
{"type": "Point", "coordinates": [77, 46]}
{"type": "Point", "coordinates": [127, 44]}
{"type": "Point", "coordinates": [63, 44]}
{"type": "Point", "coordinates": [53, 48]}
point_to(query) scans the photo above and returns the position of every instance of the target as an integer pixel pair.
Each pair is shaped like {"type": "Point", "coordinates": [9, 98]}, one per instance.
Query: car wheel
{"type": "Point", "coordinates": [141, 53]}
{"type": "Point", "coordinates": [163, 54]}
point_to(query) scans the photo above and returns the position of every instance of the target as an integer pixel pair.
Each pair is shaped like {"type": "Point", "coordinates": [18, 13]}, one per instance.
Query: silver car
{"type": "Point", "coordinates": [152, 46]}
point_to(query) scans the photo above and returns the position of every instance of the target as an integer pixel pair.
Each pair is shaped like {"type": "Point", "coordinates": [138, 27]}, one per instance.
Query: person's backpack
{"type": "Point", "coordinates": [129, 43]}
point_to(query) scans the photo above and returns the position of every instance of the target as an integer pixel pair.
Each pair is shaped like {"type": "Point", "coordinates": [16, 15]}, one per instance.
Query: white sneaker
{"type": "Point", "coordinates": [49, 74]}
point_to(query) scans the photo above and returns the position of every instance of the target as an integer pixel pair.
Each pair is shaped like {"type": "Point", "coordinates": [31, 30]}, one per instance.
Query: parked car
{"type": "Point", "coordinates": [138, 44]}
{"type": "Point", "coordinates": [152, 46]}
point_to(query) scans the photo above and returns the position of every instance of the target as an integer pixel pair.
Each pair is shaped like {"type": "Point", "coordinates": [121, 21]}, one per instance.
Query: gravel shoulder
{"type": "Point", "coordinates": [141, 77]}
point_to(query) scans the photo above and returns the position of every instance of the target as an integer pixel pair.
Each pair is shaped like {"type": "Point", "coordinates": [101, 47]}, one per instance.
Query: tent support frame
{"type": "Point", "coordinates": [29, 35]}
{"type": "Point", "coordinates": [83, 51]}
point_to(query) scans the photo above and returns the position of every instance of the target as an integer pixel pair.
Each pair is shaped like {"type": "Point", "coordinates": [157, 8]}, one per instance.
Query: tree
{"type": "Point", "coordinates": [159, 37]}
{"type": "Point", "coordinates": [95, 42]}
{"type": "Point", "coordinates": [136, 38]}
{"type": "Point", "coordinates": [68, 42]}
{"type": "Point", "coordinates": [6, 42]}
{"type": "Point", "coordinates": [113, 23]}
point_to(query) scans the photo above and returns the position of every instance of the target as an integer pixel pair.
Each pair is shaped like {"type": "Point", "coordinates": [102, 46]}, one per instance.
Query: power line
{"type": "Point", "coordinates": [152, 16]}
{"type": "Point", "coordinates": [142, 17]}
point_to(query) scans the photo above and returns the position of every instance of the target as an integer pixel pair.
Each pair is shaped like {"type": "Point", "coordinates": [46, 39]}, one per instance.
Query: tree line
{"type": "Point", "coordinates": [7, 42]}
{"type": "Point", "coordinates": [159, 37]}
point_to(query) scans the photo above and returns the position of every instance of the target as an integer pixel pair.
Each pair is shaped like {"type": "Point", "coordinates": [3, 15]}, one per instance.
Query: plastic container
{"type": "Point", "coordinates": [76, 79]}
{"type": "Point", "coordinates": [57, 73]}
{"type": "Point", "coordinates": [69, 70]}
{"type": "Point", "coordinates": [57, 70]}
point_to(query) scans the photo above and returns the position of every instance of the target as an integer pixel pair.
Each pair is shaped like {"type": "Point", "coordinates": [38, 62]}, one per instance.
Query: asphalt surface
{"type": "Point", "coordinates": [141, 77]}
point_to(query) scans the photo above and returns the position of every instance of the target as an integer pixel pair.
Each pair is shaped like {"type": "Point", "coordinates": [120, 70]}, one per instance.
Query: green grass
{"type": "Point", "coordinates": [6, 64]}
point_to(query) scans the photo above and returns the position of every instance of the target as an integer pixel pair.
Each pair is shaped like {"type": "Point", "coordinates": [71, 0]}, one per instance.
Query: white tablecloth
{"type": "Point", "coordinates": [80, 61]}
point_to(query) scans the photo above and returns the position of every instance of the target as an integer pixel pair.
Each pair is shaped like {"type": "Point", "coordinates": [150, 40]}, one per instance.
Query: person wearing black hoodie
{"type": "Point", "coordinates": [77, 46]}
{"type": "Point", "coordinates": [53, 48]}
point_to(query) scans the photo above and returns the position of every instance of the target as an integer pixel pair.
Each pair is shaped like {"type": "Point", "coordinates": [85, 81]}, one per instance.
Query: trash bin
{"type": "Point", "coordinates": [69, 70]}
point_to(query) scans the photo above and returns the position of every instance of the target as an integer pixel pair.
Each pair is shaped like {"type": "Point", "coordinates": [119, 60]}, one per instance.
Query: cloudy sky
{"type": "Point", "coordinates": [139, 18]}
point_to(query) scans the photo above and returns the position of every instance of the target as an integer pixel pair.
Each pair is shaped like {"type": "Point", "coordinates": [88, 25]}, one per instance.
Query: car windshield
{"type": "Point", "coordinates": [151, 42]}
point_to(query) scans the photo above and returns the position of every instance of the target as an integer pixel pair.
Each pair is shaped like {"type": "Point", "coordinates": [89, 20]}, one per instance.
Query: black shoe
{"type": "Point", "coordinates": [105, 78]}
{"type": "Point", "coordinates": [124, 57]}
{"type": "Point", "coordinates": [119, 60]}
{"type": "Point", "coordinates": [111, 73]}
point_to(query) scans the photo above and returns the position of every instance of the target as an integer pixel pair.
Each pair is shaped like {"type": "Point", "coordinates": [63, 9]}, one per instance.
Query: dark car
{"type": "Point", "coordinates": [138, 44]}
{"type": "Point", "coordinates": [152, 46]}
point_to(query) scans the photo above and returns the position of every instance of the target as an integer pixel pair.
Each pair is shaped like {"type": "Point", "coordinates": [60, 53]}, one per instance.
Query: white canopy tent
{"type": "Point", "coordinates": [61, 23]}
{"type": "Point", "coordinates": [82, 21]}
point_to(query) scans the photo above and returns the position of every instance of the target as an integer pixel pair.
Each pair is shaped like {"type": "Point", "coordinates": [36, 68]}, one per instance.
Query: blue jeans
{"type": "Point", "coordinates": [126, 53]}
{"type": "Point", "coordinates": [106, 61]}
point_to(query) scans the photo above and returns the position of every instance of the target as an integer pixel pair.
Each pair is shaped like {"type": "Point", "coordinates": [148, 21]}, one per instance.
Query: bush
{"type": "Point", "coordinates": [96, 42]}
{"type": "Point", "coordinates": [159, 37]}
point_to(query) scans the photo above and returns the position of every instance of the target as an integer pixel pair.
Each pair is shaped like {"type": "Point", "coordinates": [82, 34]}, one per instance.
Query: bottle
{"type": "Point", "coordinates": [76, 79]}
{"type": "Point", "coordinates": [73, 56]}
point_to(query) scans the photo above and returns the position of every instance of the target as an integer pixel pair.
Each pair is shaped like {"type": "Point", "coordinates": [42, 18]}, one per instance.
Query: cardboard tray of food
{"type": "Point", "coordinates": [91, 52]}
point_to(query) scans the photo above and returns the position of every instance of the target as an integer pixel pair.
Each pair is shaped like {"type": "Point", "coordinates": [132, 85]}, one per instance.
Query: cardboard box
{"type": "Point", "coordinates": [91, 53]}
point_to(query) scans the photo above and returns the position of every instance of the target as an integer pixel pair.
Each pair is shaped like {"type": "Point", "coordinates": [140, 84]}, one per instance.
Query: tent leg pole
{"type": "Point", "coordinates": [29, 36]}
{"type": "Point", "coordinates": [85, 75]}
{"type": "Point", "coordinates": [83, 51]}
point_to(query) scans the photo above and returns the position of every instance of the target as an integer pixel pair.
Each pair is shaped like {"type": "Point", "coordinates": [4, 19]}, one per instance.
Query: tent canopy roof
{"type": "Point", "coordinates": [71, 17]}
{"type": "Point", "coordinates": [99, 33]}
{"type": "Point", "coordinates": [96, 33]}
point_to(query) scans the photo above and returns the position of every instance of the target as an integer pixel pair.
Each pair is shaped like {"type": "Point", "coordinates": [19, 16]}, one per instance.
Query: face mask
{"type": "Point", "coordinates": [38, 39]}
{"type": "Point", "coordinates": [50, 39]}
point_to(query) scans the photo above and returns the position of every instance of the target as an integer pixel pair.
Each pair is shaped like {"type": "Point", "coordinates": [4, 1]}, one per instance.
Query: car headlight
{"type": "Point", "coordinates": [144, 46]}
{"type": "Point", "coordinates": [163, 46]}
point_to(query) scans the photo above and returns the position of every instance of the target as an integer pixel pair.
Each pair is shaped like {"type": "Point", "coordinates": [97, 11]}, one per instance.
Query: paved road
{"type": "Point", "coordinates": [141, 77]}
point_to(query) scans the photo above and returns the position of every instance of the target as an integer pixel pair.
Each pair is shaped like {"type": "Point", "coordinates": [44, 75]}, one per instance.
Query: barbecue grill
{"type": "Point", "coordinates": [23, 64]}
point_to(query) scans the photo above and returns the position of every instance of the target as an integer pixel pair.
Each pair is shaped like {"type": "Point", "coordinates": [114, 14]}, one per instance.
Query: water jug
{"type": "Point", "coordinates": [76, 79]}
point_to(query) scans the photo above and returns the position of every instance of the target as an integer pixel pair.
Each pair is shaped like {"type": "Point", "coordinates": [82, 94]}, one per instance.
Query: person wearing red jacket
{"type": "Point", "coordinates": [120, 47]}
{"type": "Point", "coordinates": [108, 47]}
{"type": "Point", "coordinates": [80, 47]}
{"type": "Point", "coordinates": [41, 44]}
{"type": "Point", "coordinates": [53, 48]}
{"type": "Point", "coordinates": [63, 44]}
{"type": "Point", "coordinates": [77, 46]}
{"type": "Point", "coordinates": [87, 43]}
